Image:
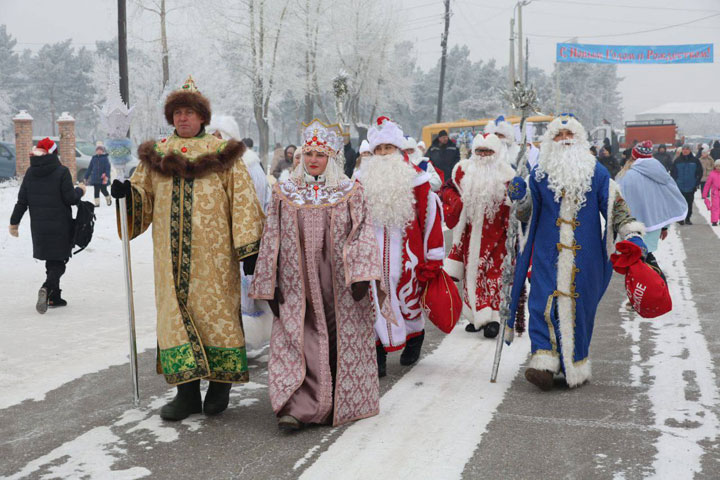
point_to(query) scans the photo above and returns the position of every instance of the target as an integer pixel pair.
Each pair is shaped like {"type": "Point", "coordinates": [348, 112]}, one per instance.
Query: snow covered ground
{"type": "Point", "coordinates": [650, 411]}
{"type": "Point", "coordinates": [39, 353]}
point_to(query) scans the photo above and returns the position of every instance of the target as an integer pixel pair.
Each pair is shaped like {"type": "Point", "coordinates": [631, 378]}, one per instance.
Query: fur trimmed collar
{"type": "Point", "coordinates": [175, 164]}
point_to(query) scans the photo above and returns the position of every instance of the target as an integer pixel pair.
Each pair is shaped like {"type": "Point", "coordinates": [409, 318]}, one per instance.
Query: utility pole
{"type": "Point", "coordinates": [511, 63]}
{"type": "Point", "coordinates": [527, 60]}
{"type": "Point", "coordinates": [443, 61]}
{"type": "Point", "coordinates": [520, 42]}
{"type": "Point", "coordinates": [122, 52]}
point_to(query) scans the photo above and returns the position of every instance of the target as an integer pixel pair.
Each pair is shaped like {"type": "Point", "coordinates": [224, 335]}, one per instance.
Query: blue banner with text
{"type": "Point", "coordinates": [627, 54]}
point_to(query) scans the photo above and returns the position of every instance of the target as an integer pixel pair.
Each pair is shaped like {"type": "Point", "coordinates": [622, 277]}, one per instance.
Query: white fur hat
{"type": "Point", "coordinates": [410, 143]}
{"type": "Point", "coordinates": [386, 131]}
{"type": "Point", "coordinates": [499, 125]}
{"type": "Point", "coordinates": [364, 147]}
{"type": "Point", "coordinates": [226, 125]}
{"type": "Point", "coordinates": [489, 141]}
{"type": "Point", "coordinates": [422, 145]}
{"type": "Point", "coordinates": [565, 122]}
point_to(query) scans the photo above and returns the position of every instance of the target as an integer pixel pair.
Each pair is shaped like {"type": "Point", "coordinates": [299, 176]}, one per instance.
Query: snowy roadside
{"type": "Point", "coordinates": [42, 352]}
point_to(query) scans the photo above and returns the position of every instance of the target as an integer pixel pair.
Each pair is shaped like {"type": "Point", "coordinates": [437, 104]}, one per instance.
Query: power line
{"type": "Point", "coordinates": [627, 33]}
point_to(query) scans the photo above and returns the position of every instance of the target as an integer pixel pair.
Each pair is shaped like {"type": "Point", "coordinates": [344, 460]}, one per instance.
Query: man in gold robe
{"type": "Point", "coordinates": [196, 192]}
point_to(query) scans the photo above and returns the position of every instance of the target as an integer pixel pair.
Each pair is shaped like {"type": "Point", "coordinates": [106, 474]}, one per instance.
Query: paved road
{"type": "Point", "coordinates": [651, 409]}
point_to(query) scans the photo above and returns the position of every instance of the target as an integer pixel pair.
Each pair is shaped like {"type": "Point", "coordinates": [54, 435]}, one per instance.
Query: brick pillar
{"type": "Point", "coordinates": [66, 126]}
{"type": "Point", "coordinates": [23, 141]}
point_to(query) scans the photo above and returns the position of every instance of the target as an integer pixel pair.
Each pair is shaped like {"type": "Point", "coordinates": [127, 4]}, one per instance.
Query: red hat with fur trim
{"type": "Point", "coordinates": [44, 147]}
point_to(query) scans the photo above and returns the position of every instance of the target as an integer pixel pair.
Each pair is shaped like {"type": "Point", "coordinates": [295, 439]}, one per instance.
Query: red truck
{"type": "Point", "coordinates": [658, 131]}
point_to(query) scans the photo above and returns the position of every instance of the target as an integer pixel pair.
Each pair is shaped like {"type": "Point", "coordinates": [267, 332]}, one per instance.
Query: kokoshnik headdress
{"type": "Point", "coordinates": [323, 138]}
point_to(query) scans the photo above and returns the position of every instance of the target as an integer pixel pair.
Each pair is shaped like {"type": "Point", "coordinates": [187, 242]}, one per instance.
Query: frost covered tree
{"type": "Point", "coordinates": [10, 80]}
{"type": "Point", "coordinates": [589, 91]}
{"type": "Point", "coordinates": [58, 79]}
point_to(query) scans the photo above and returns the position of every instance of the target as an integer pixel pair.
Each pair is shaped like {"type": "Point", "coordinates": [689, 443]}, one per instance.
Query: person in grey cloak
{"type": "Point", "coordinates": [652, 195]}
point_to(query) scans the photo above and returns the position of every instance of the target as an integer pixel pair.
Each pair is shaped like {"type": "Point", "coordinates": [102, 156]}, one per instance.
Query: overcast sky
{"type": "Point", "coordinates": [481, 24]}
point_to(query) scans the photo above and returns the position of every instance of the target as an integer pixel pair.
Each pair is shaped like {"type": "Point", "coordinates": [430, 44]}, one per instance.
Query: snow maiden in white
{"type": "Point", "coordinates": [568, 193]}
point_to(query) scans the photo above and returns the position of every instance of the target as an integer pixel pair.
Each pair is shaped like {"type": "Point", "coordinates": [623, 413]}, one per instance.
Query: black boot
{"type": "Point", "coordinates": [411, 353]}
{"type": "Point", "coordinates": [217, 398]}
{"type": "Point", "coordinates": [381, 360]}
{"type": "Point", "coordinates": [186, 402]}
{"type": "Point", "coordinates": [42, 301]}
{"type": "Point", "coordinates": [55, 300]}
{"type": "Point", "coordinates": [470, 327]}
{"type": "Point", "coordinates": [491, 330]}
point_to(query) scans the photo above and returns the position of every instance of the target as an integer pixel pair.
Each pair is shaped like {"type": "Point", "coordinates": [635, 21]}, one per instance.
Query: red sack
{"type": "Point", "coordinates": [645, 287]}
{"type": "Point", "coordinates": [441, 302]}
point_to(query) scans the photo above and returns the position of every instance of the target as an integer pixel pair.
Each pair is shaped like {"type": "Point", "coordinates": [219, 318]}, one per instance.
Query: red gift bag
{"type": "Point", "coordinates": [645, 287]}
{"type": "Point", "coordinates": [441, 301]}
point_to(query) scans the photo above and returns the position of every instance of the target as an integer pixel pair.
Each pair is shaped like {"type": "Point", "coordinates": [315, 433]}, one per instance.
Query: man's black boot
{"type": "Point", "coordinates": [411, 352]}
{"type": "Point", "coordinates": [217, 398]}
{"type": "Point", "coordinates": [381, 360]}
{"type": "Point", "coordinates": [491, 330]}
{"type": "Point", "coordinates": [186, 402]}
{"type": "Point", "coordinates": [55, 300]}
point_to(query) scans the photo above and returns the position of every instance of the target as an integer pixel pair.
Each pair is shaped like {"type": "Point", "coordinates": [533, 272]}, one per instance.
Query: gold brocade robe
{"type": "Point", "coordinates": [201, 201]}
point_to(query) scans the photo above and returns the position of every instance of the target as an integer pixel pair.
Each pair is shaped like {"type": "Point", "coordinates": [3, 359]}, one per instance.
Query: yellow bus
{"type": "Point", "coordinates": [463, 131]}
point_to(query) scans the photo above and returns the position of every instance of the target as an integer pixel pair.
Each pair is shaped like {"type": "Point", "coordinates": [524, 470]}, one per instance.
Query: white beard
{"type": "Point", "coordinates": [511, 151]}
{"type": "Point", "coordinates": [388, 183]}
{"type": "Point", "coordinates": [484, 185]}
{"type": "Point", "coordinates": [569, 168]}
{"type": "Point", "coordinates": [416, 158]}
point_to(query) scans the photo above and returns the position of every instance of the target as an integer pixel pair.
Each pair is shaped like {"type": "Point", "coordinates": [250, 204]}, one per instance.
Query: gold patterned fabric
{"type": "Point", "coordinates": [202, 227]}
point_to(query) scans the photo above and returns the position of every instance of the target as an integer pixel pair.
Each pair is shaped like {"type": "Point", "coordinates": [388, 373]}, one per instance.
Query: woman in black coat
{"type": "Point", "coordinates": [48, 191]}
{"type": "Point", "coordinates": [98, 174]}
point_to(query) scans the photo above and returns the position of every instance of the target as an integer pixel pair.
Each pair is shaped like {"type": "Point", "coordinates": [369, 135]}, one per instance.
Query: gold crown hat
{"type": "Point", "coordinates": [189, 96]}
{"type": "Point", "coordinates": [320, 137]}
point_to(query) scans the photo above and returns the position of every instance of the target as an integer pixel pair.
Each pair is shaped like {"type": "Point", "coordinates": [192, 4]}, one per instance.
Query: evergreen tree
{"type": "Point", "coordinates": [58, 79]}
{"type": "Point", "coordinates": [9, 80]}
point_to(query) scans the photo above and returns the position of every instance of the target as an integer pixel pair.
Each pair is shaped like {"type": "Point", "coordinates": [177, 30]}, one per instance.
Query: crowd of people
{"type": "Point", "coordinates": [340, 250]}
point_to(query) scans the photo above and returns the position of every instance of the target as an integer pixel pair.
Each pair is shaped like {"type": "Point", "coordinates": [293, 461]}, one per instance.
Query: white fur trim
{"type": "Point", "coordinates": [482, 317]}
{"type": "Point", "coordinates": [509, 335]}
{"type": "Point", "coordinates": [632, 229]}
{"type": "Point", "coordinates": [543, 361]}
{"type": "Point", "coordinates": [389, 132]}
{"type": "Point", "coordinates": [473, 264]}
{"type": "Point", "coordinates": [564, 123]}
{"type": "Point", "coordinates": [566, 306]}
{"type": "Point", "coordinates": [454, 268]}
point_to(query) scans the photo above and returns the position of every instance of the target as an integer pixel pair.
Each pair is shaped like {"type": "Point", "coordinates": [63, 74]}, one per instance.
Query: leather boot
{"type": "Point", "coordinates": [491, 330]}
{"type": "Point", "coordinates": [55, 300]}
{"type": "Point", "coordinates": [42, 301]}
{"type": "Point", "coordinates": [542, 379]}
{"type": "Point", "coordinates": [186, 402]}
{"type": "Point", "coordinates": [381, 360]}
{"type": "Point", "coordinates": [411, 352]}
{"type": "Point", "coordinates": [217, 398]}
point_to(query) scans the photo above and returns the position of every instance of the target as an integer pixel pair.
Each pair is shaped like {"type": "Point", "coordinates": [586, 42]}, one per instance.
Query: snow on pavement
{"type": "Point", "coordinates": [684, 390]}
{"type": "Point", "coordinates": [432, 417]}
{"type": "Point", "coordinates": [40, 353]}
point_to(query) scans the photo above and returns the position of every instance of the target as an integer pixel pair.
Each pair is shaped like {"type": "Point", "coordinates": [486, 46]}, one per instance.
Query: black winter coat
{"type": "Point", "coordinates": [350, 159]}
{"type": "Point", "coordinates": [48, 190]}
{"type": "Point", "coordinates": [444, 157]}
{"type": "Point", "coordinates": [612, 165]}
{"type": "Point", "coordinates": [715, 151]}
{"type": "Point", "coordinates": [665, 158]}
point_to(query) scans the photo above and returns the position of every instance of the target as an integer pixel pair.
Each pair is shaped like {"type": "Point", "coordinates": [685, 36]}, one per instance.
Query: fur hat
{"type": "Point", "coordinates": [364, 147]}
{"type": "Point", "coordinates": [489, 141]}
{"type": "Point", "coordinates": [565, 121]}
{"type": "Point", "coordinates": [226, 125]}
{"type": "Point", "coordinates": [386, 131]}
{"type": "Point", "coordinates": [499, 125]}
{"type": "Point", "coordinates": [410, 143]}
{"type": "Point", "coordinates": [188, 96]}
